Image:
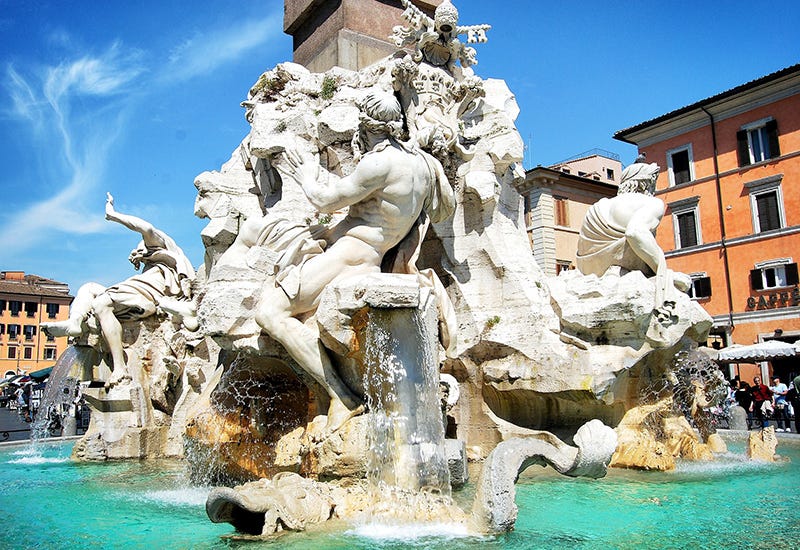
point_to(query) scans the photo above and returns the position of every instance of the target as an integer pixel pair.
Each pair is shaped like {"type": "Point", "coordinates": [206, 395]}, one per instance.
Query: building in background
{"type": "Point", "coordinates": [730, 176]}
{"type": "Point", "coordinates": [557, 199]}
{"type": "Point", "coordinates": [25, 302]}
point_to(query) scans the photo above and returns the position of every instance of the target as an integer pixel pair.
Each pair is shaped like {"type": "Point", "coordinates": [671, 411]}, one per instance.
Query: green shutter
{"type": "Point", "coordinates": [742, 148]}
{"type": "Point", "coordinates": [772, 136]}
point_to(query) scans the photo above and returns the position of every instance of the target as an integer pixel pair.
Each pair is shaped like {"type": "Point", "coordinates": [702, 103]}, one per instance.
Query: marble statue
{"type": "Point", "coordinates": [164, 284]}
{"type": "Point", "coordinates": [436, 40]}
{"type": "Point", "coordinates": [394, 188]}
{"type": "Point", "coordinates": [620, 231]}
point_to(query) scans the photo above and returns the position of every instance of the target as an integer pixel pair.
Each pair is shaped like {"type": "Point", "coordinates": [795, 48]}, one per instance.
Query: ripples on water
{"type": "Point", "coordinates": [50, 502]}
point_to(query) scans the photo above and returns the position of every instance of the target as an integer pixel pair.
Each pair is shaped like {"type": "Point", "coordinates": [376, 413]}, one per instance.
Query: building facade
{"type": "Point", "coordinates": [25, 302]}
{"type": "Point", "coordinates": [730, 177]}
{"type": "Point", "coordinates": [557, 199]}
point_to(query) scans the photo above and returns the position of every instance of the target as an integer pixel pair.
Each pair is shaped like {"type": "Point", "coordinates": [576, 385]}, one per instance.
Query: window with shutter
{"type": "Point", "coordinates": [701, 288]}
{"type": "Point", "coordinates": [774, 276]}
{"type": "Point", "coordinates": [561, 212]}
{"type": "Point", "coordinates": [687, 229]}
{"type": "Point", "coordinates": [757, 142]}
{"type": "Point", "coordinates": [767, 211]}
{"type": "Point", "coordinates": [680, 165]}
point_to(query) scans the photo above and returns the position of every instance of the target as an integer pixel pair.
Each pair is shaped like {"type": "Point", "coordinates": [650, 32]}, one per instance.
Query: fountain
{"type": "Point", "coordinates": [366, 249]}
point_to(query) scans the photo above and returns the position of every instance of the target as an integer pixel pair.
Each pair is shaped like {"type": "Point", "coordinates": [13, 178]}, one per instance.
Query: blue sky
{"type": "Point", "coordinates": [137, 98]}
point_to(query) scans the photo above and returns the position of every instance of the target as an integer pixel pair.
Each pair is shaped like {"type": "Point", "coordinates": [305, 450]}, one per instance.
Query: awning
{"type": "Point", "coordinates": [41, 374]}
{"type": "Point", "coordinates": [763, 351]}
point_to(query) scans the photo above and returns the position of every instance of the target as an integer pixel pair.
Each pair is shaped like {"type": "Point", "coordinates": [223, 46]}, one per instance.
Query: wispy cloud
{"type": "Point", "coordinates": [205, 52]}
{"type": "Point", "coordinates": [43, 100]}
{"type": "Point", "coordinates": [73, 112]}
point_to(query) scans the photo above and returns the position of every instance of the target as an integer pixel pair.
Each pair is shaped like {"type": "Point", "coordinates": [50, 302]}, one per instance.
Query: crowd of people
{"type": "Point", "coordinates": [779, 403]}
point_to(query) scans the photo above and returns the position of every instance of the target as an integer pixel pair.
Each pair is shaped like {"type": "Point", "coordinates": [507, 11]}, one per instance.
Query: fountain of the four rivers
{"type": "Point", "coordinates": [369, 340]}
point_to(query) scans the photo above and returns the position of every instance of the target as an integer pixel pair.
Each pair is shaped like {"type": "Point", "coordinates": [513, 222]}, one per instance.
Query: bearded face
{"type": "Point", "coordinates": [136, 257]}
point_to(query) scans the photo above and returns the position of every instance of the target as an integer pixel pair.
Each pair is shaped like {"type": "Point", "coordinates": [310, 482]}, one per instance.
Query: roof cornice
{"type": "Point", "coordinates": [743, 98]}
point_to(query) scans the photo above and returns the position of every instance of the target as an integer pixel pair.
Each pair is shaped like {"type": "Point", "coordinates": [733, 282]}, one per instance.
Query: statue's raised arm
{"type": "Point", "coordinates": [151, 236]}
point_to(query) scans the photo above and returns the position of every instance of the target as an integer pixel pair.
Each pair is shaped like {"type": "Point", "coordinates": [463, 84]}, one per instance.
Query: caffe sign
{"type": "Point", "coordinates": [773, 300]}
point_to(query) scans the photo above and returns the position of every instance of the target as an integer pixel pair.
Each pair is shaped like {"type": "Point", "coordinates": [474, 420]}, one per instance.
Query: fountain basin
{"type": "Point", "coordinates": [50, 502]}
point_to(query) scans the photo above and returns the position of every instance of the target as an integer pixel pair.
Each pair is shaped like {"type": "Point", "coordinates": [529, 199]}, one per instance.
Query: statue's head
{"type": "Point", "coordinates": [137, 255]}
{"type": "Point", "coordinates": [639, 178]}
{"type": "Point", "coordinates": [445, 18]}
{"type": "Point", "coordinates": [382, 106]}
{"type": "Point", "coordinates": [381, 113]}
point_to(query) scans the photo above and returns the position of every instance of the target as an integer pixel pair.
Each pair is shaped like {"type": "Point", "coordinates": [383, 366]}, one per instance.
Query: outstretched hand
{"type": "Point", "coordinates": [298, 168]}
{"type": "Point", "coordinates": [109, 205]}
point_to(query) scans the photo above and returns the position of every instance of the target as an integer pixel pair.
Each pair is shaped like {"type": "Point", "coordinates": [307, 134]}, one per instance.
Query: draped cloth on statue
{"type": "Point", "coordinates": [167, 272]}
{"type": "Point", "coordinates": [603, 243]}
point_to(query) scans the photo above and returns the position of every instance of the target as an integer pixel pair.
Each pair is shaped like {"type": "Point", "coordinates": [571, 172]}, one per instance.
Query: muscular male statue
{"type": "Point", "coordinates": [387, 192]}
{"type": "Point", "coordinates": [164, 283]}
{"type": "Point", "coordinates": [621, 231]}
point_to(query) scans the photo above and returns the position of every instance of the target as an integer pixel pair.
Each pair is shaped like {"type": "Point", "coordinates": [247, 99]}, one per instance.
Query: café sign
{"type": "Point", "coordinates": [773, 300]}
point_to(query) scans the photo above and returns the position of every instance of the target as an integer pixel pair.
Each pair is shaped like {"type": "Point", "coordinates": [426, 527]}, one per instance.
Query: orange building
{"type": "Point", "coordinates": [730, 176]}
{"type": "Point", "coordinates": [25, 302]}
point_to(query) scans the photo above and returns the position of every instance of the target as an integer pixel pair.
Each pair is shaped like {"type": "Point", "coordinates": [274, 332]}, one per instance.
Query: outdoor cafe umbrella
{"type": "Point", "coordinates": [762, 351]}
{"type": "Point", "coordinates": [41, 374]}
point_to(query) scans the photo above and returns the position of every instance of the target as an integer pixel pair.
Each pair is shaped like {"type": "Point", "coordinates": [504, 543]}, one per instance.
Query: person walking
{"type": "Point", "coordinates": [779, 391]}
{"type": "Point", "coordinates": [794, 397]}
{"type": "Point", "coordinates": [761, 395]}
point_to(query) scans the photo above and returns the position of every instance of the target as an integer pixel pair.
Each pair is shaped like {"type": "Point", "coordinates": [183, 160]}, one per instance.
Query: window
{"type": "Point", "coordinates": [12, 352]}
{"type": "Point", "coordinates": [679, 165]}
{"type": "Point", "coordinates": [687, 229]}
{"type": "Point", "coordinates": [52, 310]}
{"type": "Point", "coordinates": [2, 329]}
{"type": "Point", "coordinates": [2, 306]}
{"type": "Point", "coordinates": [758, 141]}
{"type": "Point", "coordinates": [50, 337]}
{"type": "Point", "coordinates": [50, 353]}
{"type": "Point", "coordinates": [766, 203]}
{"type": "Point", "coordinates": [31, 308]}
{"type": "Point", "coordinates": [560, 212]}
{"type": "Point", "coordinates": [609, 174]}
{"type": "Point", "coordinates": [701, 286]}
{"type": "Point", "coordinates": [28, 353]}
{"type": "Point", "coordinates": [774, 274]}
{"type": "Point", "coordinates": [14, 306]}
{"type": "Point", "coordinates": [13, 332]}
{"type": "Point", "coordinates": [563, 265]}
{"type": "Point", "coordinates": [30, 332]}
{"type": "Point", "coordinates": [685, 221]}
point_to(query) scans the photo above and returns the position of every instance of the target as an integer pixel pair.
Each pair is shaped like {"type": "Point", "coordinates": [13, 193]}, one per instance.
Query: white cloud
{"type": "Point", "coordinates": [44, 101]}
{"type": "Point", "coordinates": [205, 52]}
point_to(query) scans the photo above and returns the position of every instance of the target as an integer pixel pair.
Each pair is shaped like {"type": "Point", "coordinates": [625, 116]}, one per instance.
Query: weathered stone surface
{"type": "Point", "coordinates": [652, 436]}
{"type": "Point", "coordinates": [761, 445]}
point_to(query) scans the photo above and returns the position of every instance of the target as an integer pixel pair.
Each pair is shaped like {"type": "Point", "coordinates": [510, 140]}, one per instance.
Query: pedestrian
{"type": "Point", "coordinates": [761, 395]}
{"type": "Point", "coordinates": [779, 391]}
{"type": "Point", "coordinates": [794, 397]}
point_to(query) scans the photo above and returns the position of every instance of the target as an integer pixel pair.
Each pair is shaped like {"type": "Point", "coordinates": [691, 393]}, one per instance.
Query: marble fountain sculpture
{"type": "Point", "coordinates": [369, 317]}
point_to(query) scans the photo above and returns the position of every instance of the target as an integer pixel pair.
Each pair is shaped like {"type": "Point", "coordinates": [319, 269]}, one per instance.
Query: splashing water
{"type": "Point", "coordinates": [402, 390]}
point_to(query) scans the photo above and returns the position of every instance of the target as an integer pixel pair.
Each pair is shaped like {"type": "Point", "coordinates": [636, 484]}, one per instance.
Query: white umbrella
{"type": "Point", "coordinates": [763, 351]}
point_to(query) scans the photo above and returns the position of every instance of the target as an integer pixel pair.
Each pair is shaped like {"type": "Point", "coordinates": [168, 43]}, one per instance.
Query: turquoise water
{"type": "Point", "coordinates": [49, 502]}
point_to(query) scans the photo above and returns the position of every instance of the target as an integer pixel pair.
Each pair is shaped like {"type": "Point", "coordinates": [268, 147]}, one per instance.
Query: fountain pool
{"type": "Point", "coordinates": [49, 502]}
